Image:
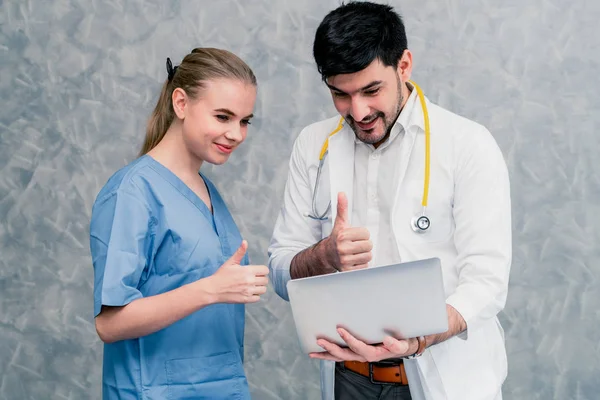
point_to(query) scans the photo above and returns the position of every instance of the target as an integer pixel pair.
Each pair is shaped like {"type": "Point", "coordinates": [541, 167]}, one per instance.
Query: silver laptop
{"type": "Point", "coordinates": [402, 300]}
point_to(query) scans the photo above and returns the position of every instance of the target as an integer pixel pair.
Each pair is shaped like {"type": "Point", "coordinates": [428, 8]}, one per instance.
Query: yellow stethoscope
{"type": "Point", "coordinates": [420, 223]}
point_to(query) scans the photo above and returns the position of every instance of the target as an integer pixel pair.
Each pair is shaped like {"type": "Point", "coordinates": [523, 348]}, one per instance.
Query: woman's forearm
{"type": "Point", "coordinates": [147, 315]}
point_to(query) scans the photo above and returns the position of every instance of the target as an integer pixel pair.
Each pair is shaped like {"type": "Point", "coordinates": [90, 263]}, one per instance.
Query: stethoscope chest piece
{"type": "Point", "coordinates": [420, 223]}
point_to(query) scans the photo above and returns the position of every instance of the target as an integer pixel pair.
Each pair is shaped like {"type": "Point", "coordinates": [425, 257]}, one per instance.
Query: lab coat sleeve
{"type": "Point", "coordinates": [482, 214]}
{"type": "Point", "coordinates": [120, 239]}
{"type": "Point", "coordinates": [293, 230]}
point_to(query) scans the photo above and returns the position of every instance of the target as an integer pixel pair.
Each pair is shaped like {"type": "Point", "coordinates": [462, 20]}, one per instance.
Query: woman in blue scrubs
{"type": "Point", "coordinates": [170, 272]}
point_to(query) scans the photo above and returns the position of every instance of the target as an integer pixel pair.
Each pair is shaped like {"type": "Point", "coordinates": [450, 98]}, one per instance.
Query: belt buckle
{"type": "Point", "coordinates": [381, 382]}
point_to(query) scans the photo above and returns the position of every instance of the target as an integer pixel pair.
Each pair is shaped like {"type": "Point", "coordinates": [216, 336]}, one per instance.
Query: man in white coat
{"type": "Point", "coordinates": [354, 193]}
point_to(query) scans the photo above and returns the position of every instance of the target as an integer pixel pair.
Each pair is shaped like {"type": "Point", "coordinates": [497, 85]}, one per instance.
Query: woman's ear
{"type": "Point", "coordinates": [180, 102]}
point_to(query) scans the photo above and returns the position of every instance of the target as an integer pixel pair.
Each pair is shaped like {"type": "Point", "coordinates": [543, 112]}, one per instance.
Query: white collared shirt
{"type": "Point", "coordinates": [375, 183]}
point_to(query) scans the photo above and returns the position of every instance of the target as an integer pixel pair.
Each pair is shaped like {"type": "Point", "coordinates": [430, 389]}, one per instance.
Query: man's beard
{"type": "Point", "coordinates": [388, 123]}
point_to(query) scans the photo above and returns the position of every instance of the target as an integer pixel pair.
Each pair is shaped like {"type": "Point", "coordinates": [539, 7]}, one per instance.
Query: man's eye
{"type": "Point", "coordinates": [372, 92]}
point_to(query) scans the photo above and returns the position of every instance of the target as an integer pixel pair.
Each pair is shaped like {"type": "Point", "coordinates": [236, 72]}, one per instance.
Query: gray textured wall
{"type": "Point", "coordinates": [78, 79]}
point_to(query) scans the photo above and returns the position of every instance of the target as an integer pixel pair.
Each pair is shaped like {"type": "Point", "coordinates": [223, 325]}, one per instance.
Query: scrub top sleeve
{"type": "Point", "coordinates": [120, 243]}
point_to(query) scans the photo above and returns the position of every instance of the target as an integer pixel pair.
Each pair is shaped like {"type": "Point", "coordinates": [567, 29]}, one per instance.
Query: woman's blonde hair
{"type": "Point", "coordinates": [201, 65]}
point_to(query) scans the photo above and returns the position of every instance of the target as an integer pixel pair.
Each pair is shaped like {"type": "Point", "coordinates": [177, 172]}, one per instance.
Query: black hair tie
{"type": "Point", "coordinates": [170, 69]}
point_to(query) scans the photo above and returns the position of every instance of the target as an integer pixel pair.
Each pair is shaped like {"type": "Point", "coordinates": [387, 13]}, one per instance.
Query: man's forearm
{"type": "Point", "coordinates": [311, 261]}
{"type": "Point", "coordinates": [456, 325]}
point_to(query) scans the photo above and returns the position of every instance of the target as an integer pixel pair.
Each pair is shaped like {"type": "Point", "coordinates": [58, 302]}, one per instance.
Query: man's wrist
{"type": "Point", "coordinates": [325, 253]}
{"type": "Point", "coordinates": [417, 347]}
{"type": "Point", "coordinates": [312, 261]}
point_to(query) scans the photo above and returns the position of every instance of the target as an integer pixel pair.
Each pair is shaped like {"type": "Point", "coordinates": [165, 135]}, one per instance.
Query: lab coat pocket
{"type": "Point", "coordinates": [439, 212]}
{"type": "Point", "coordinates": [220, 376]}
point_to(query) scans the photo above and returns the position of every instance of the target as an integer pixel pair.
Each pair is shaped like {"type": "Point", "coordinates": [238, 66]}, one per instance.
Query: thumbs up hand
{"type": "Point", "coordinates": [348, 248]}
{"type": "Point", "coordinates": [233, 283]}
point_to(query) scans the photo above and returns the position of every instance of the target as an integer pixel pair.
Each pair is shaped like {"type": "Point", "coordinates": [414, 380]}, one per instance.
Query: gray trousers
{"type": "Point", "coordinates": [352, 386]}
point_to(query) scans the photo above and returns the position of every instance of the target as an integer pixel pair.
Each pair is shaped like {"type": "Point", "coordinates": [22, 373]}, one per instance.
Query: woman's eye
{"type": "Point", "coordinates": [246, 122]}
{"type": "Point", "coordinates": [223, 118]}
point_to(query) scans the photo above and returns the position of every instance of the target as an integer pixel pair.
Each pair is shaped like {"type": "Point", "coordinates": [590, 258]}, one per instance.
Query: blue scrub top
{"type": "Point", "coordinates": [149, 234]}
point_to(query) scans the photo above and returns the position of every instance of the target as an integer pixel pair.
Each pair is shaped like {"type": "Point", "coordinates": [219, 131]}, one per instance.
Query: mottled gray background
{"type": "Point", "coordinates": [78, 79]}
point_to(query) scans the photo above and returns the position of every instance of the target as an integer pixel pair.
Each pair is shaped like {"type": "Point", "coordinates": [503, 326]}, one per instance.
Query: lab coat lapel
{"type": "Point", "coordinates": [415, 128]}
{"type": "Point", "coordinates": [341, 167]}
{"type": "Point", "coordinates": [405, 152]}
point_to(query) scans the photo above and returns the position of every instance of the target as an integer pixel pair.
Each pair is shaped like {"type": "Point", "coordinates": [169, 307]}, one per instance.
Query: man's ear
{"type": "Point", "coordinates": [405, 66]}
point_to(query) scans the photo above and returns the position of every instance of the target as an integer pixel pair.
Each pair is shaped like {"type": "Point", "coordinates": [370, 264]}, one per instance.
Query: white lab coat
{"type": "Point", "coordinates": [469, 209]}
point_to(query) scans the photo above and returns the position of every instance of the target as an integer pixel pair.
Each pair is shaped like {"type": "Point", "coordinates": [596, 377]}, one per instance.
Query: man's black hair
{"type": "Point", "coordinates": [355, 34]}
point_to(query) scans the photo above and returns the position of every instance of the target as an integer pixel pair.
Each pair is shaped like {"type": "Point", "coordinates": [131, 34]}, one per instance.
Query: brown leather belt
{"type": "Point", "coordinates": [385, 372]}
